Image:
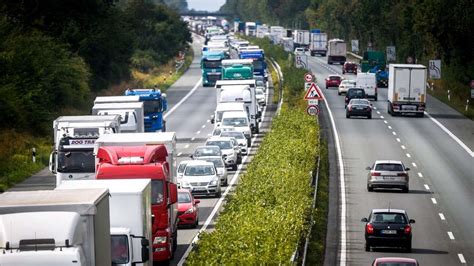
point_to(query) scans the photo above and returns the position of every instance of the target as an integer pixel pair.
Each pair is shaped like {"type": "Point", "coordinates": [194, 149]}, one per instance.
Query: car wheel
{"type": "Point", "coordinates": [408, 247]}
{"type": "Point", "coordinates": [369, 116]}
{"type": "Point", "coordinates": [338, 93]}
{"type": "Point", "coordinates": [421, 114]}
{"type": "Point", "coordinates": [218, 194]}
{"type": "Point", "coordinates": [196, 223]}
{"type": "Point", "coordinates": [369, 188]}
{"type": "Point", "coordinates": [375, 99]}
{"type": "Point", "coordinates": [347, 115]}
{"type": "Point", "coordinates": [405, 189]}
{"type": "Point", "coordinates": [367, 247]}
{"type": "Point", "coordinates": [234, 167]}
{"type": "Point", "coordinates": [226, 182]}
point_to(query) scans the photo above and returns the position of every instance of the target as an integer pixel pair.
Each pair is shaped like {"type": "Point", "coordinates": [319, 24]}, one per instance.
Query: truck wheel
{"type": "Point", "coordinates": [389, 109]}
{"type": "Point", "coordinates": [163, 129]}
{"type": "Point", "coordinates": [376, 97]}
{"type": "Point", "coordinates": [257, 129]}
{"type": "Point", "coordinates": [420, 114]}
{"type": "Point", "coordinates": [234, 167]}
{"type": "Point", "coordinates": [218, 194]}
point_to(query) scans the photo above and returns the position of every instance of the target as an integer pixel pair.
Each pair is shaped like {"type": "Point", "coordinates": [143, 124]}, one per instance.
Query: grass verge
{"type": "Point", "coordinates": [459, 94]}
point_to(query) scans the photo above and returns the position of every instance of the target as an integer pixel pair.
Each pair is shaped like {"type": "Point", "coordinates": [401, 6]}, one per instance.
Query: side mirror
{"type": "Point", "coordinates": [407, 169]}
{"type": "Point", "coordinates": [197, 201]}
{"type": "Point", "coordinates": [365, 220]}
{"type": "Point", "coordinates": [368, 168]}
{"type": "Point", "coordinates": [145, 252]}
{"type": "Point", "coordinates": [173, 190]}
{"type": "Point", "coordinates": [213, 120]}
{"type": "Point", "coordinates": [163, 95]}
{"type": "Point", "coordinates": [52, 162]}
{"type": "Point", "coordinates": [412, 221]}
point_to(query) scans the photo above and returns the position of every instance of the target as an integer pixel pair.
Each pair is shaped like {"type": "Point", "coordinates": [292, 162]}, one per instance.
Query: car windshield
{"type": "Point", "coordinates": [223, 144]}
{"type": "Point", "coordinates": [76, 161]}
{"type": "Point", "coordinates": [389, 217]}
{"type": "Point", "coordinates": [334, 78]}
{"type": "Point", "coordinates": [119, 249]}
{"type": "Point", "coordinates": [235, 134]}
{"type": "Point", "coordinates": [259, 92]}
{"type": "Point", "coordinates": [184, 197]}
{"type": "Point", "coordinates": [235, 121]}
{"type": "Point", "coordinates": [181, 167]}
{"type": "Point", "coordinates": [199, 170]}
{"type": "Point", "coordinates": [389, 167]}
{"type": "Point", "coordinates": [218, 163]}
{"type": "Point", "coordinates": [157, 190]}
{"type": "Point", "coordinates": [210, 151]}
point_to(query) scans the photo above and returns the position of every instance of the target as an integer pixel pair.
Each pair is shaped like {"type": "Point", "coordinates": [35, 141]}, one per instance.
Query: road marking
{"type": "Point", "coordinates": [427, 187]}
{"type": "Point", "coordinates": [193, 138]}
{"type": "Point", "coordinates": [441, 216]}
{"type": "Point", "coordinates": [394, 133]}
{"type": "Point", "coordinates": [389, 127]}
{"type": "Point", "coordinates": [414, 164]}
{"type": "Point", "coordinates": [184, 99]}
{"type": "Point", "coordinates": [398, 140]}
{"type": "Point", "coordinates": [375, 108]}
{"type": "Point", "coordinates": [385, 121]}
{"type": "Point", "coordinates": [382, 117]}
{"type": "Point", "coordinates": [454, 137]}
{"type": "Point", "coordinates": [434, 201]}
{"type": "Point", "coordinates": [198, 132]}
{"type": "Point", "coordinates": [204, 126]}
{"type": "Point", "coordinates": [408, 155]}
{"type": "Point", "coordinates": [208, 120]}
{"type": "Point", "coordinates": [179, 154]}
{"type": "Point", "coordinates": [186, 146]}
{"type": "Point", "coordinates": [461, 258]}
{"type": "Point", "coordinates": [451, 236]}
{"type": "Point", "coordinates": [378, 112]}
{"type": "Point", "coordinates": [403, 147]}
{"type": "Point", "coordinates": [420, 175]}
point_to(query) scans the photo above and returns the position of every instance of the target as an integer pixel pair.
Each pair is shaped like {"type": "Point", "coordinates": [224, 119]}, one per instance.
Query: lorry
{"type": "Point", "coordinates": [211, 67]}
{"type": "Point", "coordinates": [131, 113]}
{"type": "Point", "coordinates": [287, 44]}
{"type": "Point", "coordinates": [259, 64]}
{"type": "Point", "coordinates": [318, 43]}
{"type": "Point", "coordinates": [241, 91]}
{"type": "Point", "coordinates": [150, 156]}
{"type": "Point", "coordinates": [130, 217]}
{"type": "Point", "coordinates": [336, 51]}
{"type": "Point", "coordinates": [237, 69]}
{"type": "Point", "coordinates": [74, 136]}
{"type": "Point", "coordinates": [250, 29]}
{"type": "Point", "coordinates": [301, 38]}
{"type": "Point", "coordinates": [374, 62]}
{"type": "Point", "coordinates": [155, 104]}
{"type": "Point", "coordinates": [407, 89]}
{"type": "Point", "coordinates": [276, 33]}
{"type": "Point", "coordinates": [262, 30]}
{"type": "Point", "coordinates": [55, 228]}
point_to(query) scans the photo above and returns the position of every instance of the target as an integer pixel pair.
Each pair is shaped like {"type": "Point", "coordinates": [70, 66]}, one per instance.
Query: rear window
{"type": "Point", "coordinates": [358, 92]}
{"type": "Point", "coordinates": [388, 167]}
{"type": "Point", "coordinates": [396, 218]}
{"type": "Point", "coordinates": [335, 78]}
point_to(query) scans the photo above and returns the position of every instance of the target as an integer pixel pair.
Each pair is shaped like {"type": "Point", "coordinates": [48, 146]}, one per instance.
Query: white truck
{"type": "Point", "coordinates": [250, 28]}
{"type": "Point", "coordinates": [407, 89]}
{"type": "Point", "coordinates": [130, 217]}
{"type": "Point", "coordinates": [241, 91]}
{"type": "Point", "coordinates": [287, 44]}
{"type": "Point", "coordinates": [74, 138]}
{"type": "Point", "coordinates": [55, 228]}
{"type": "Point", "coordinates": [368, 82]}
{"type": "Point", "coordinates": [301, 38]}
{"type": "Point", "coordinates": [318, 43]}
{"type": "Point", "coordinates": [262, 30]}
{"type": "Point", "coordinates": [131, 113]}
{"type": "Point", "coordinates": [336, 51]}
{"type": "Point", "coordinates": [276, 33]}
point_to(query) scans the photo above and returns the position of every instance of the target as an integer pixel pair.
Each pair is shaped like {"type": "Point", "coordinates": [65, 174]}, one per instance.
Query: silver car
{"type": "Point", "coordinates": [220, 166]}
{"type": "Point", "coordinates": [388, 174]}
{"type": "Point", "coordinates": [200, 177]}
{"type": "Point", "coordinates": [230, 152]}
{"type": "Point", "coordinates": [240, 137]}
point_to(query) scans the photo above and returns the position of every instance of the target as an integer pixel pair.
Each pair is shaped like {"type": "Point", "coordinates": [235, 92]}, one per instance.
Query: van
{"type": "Point", "coordinates": [368, 82]}
{"type": "Point", "coordinates": [240, 121]}
{"type": "Point", "coordinates": [226, 107]}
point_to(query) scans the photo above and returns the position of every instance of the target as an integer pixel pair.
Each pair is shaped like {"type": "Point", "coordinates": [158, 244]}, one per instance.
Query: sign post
{"type": "Point", "coordinates": [435, 69]}
{"type": "Point", "coordinates": [355, 46]}
{"type": "Point", "coordinates": [391, 54]}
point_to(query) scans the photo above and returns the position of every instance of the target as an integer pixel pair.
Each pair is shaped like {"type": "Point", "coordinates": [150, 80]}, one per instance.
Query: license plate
{"type": "Point", "coordinates": [199, 189]}
{"type": "Point", "coordinates": [389, 178]}
{"type": "Point", "coordinates": [389, 232]}
{"type": "Point", "coordinates": [409, 107]}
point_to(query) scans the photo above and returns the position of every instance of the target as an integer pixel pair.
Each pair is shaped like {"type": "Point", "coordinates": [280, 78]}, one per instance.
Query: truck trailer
{"type": "Point", "coordinates": [336, 51]}
{"type": "Point", "coordinates": [131, 113]}
{"type": "Point", "coordinates": [318, 43]}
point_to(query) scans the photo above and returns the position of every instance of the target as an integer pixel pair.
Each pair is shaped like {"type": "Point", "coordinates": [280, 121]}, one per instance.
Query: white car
{"type": "Point", "coordinates": [200, 177]}
{"type": "Point", "coordinates": [239, 137]}
{"type": "Point", "coordinates": [218, 130]}
{"type": "Point", "coordinates": [180, 170]}
{"type": "Point", "coordinates": [220, 167]}
{"type": "Point", "coordinates": [345, 85]}
{"type": "Point", "coordinates": [229, 152]}
{"type": "Point", "coordinates": [299, 50]}
{"type": "Point", "coordinates": [240, 121]}
{"type": "Point", "coordinates": [261, 98]}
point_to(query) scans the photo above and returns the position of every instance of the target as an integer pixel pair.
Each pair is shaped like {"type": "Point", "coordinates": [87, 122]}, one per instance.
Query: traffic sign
{"type": "Point", "coordinates": [313, 93]}
{"type": "Point", "coordinates": [313, 102]}
{"type": "Point", "coordinates": [312, 110]}
{"type": "Point", "coordinates": [307, 85]}
{"type": "Point", "coordinates": [308, 77]}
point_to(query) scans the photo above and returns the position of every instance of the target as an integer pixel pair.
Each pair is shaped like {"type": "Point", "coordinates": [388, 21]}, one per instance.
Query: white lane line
{"type": "Point", "coordinates": [389, 127]}
{"type": "Point", "coordinates": [382, 117]}
{"type": "Point", "coordinates": [385, 121]}
{"type": "Point", "coordinates": [414, 164]}
{"type": "Point", "coordinates": [408, 155]}
{"type": "Point", "coordinates": [420, 174]}
{"type": "Point", "coordinates": [375, 108]}
{"type": "Point", "coordinates": [403, 147]}
{"type": "Point", "coordinates": [461, 258]}
{"type": "Point", "coordinates": [198, 132]}
{"type": "Point", "coordinates": [378, 112]}
{"type": "Point", "coordinates": [204, 126]}
{"type": "Point", "coordinates": [208, 121]}
{"type": "Point", "coordinates": [434, 201]}
{"type": "Point", "coordinates": [179, 154]}
{"type": "Point", "coordinates": [394, 133]}
{"type": "Point", "coordinates": [426, 187]}
{"type": "Point", "coordinates": [451, 236]}
{"type": "Point", "coordinates": [186, 146]}
{"type": "Point", "coordinates": [193, 138]}
{"type": "Point", "coordinates": [184, 99]}
{"type": "Point", "coordinates": [454, 137]}
{"type": "Point", "coordinates": [441, 216]}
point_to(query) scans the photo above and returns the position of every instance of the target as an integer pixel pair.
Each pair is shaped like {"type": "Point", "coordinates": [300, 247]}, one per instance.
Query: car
{"type": "Point", "coordinates": [359, 107]}
{"type": "Point", "coordinates": [333, 81]}
{"type": "Point", "coordinates": [204, 151]}
{"type": "Point", "coordinates": [229, 152]}
{"type": "Point", "coordinates": [180, 169]}
{"type": "Point", "coordinates": [354, 93]}
{"type": "Point", "coordinates": [392, 261]}
{"type": "Point", "coordinates": [220, 167]}
{"type": "Point", "coordinates": [260, 82]}
{"type": "Point", "coordinates": [388, 228]}
{"type": "Point", "coordinates": [388, 174]}
{"type": "Point", "coordinates": [188, 209]}
{"type": "Point", "coordinates": [345, 85]}
{"type": "Point", "coordinates": [261, 98]}
{"type": "Point", "coordinates": [299, 50]}
{"type": "Point", "coordinates": [349, 67]}
{"type": "Point", "coordinates": [240, 137]}
{"type": "Point", "coordinates": [200, 177]}
{"type": "Point", "coordinates": [240, 121]}
{"type": "Point", "coordinates": [219, 130]}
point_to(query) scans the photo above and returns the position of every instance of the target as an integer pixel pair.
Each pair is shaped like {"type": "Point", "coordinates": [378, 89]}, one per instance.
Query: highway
{"type": "Point", "coordinates": [441, 177]}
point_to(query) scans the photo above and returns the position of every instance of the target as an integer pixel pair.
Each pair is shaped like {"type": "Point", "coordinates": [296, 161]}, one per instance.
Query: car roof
{"type": "Point", "coordinates": [388, 161]}
{"type": "Point", "coordinates": [234, 114]}
{"type": "Point", "coordinates": [359, 100]}
{"type": "Point", "coordinates": [207, 147]}
{"type": "Point", "coordinates": [395, 259]}
{"type": "Point", "coordinates": [199, 162]}
{"type": "Point", "coordinates": [349, 80]}
{"type": "Point", "coordinates": [389, 210]}
{"type": "Point", "coordinates": [219, 138]}
{"type": "Point", "coordinates": [209, 157]}
{"type": "Point", "coordinates": [186, 161]}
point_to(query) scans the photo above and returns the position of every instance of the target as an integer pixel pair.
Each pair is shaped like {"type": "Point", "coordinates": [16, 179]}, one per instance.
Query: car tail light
{"type": "Point", "coordinates": [347, 98]}
{"type": "Point", "coordinates": [375, 174]}
{"type": "Point", "coordinates": [407, 229]}
{"type": "Point", "coordinates": [350, 108]}
{"type": "Point", "coordinates": [369, 229]}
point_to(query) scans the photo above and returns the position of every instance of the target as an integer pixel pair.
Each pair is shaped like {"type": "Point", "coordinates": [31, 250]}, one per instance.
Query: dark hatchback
{"type": "Point", "coordinates": [359, 107]}
{"type": "Point", "coordinates": [388, 228]}
{"type": "Point", "coordinates": [354, 93]}
{"type": "Point", "coordinates": [349, 67]}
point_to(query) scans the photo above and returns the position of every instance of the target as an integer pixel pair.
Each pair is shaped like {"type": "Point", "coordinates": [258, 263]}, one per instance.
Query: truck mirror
{"type": "Point", "coordinates": [145, 253]}
{"type": "Point", "coordinates": [52, 162]}
{"type": "Point", "coordinates": [213, 120]}
{"type": "Point", "coordinates": [173, 190]}
{"type": "Point", "coordinates": [145, 242]}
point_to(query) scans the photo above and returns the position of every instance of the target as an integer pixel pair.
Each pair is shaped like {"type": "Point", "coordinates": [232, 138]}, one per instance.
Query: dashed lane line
{"type": "Point", "coordinates": [434, 201]}
{"type": "Point", "coordinates": [426, 187]}
{"type": "Point", "coordinates": [441, 216]}
{"type": "Point", "coordinates": [451, 235]}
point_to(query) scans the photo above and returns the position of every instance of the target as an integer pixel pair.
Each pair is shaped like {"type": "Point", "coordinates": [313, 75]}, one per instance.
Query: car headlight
{"type": "Point", "coordinates": [184, 183]}
{"type": "Point", "coordinates": [213, 182]}
{"type": "Point", "coordinates": [190, 210]}
{"type": "Point", "coordinates": [159, 240]}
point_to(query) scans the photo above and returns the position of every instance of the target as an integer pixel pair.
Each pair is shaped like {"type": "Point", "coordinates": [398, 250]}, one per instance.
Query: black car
{"type": "Point", "coordinates": [388, 228]}
{"type": "Point", "coordinates": [359, 107]}
{"type": "Point", "coordinates": [354, 93]}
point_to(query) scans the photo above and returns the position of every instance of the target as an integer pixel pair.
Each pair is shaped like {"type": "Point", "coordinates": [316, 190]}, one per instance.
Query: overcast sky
{"type": "Point", "coordinates": [207, 5]}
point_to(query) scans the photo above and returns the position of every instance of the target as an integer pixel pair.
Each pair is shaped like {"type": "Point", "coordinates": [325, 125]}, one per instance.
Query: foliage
{"type": "Point", "coordinates": [180, 5]}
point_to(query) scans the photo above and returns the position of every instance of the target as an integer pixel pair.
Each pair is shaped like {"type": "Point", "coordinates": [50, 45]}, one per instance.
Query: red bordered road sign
{"type": "Point", "coordinates": [312, 110]}
{"type": "Point", "coordinates": [313, 93]}
{"type": "Point", "coordinates": [308, 77]}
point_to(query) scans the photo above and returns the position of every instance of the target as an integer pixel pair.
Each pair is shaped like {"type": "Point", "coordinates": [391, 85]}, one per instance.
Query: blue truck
{"type": "Point", "coordinates": [155, 104]}
{"type": "Point", "coordinates": [211, 67]}
{"type": "Point", "coordinates": [259, 64]}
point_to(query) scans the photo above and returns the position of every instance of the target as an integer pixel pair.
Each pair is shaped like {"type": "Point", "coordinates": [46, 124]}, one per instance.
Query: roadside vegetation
{"type": "Point", "coordinates": [267, 217]}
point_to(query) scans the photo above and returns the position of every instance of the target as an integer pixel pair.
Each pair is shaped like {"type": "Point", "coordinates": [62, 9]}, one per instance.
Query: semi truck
{"type": "Point", "coordinates": [150, 156]}
{"type": "Point", "coordinates": [211, 67]}
{"type": "Point", "coordinates": [250, 28]}
{"type": "Point", "coordinates": [259, 64]}
{"type": "Point", "coordinates": [262, 31]}
{"type": "Point", "coordinates": [276, 33]}
{"type": "Point", "coordinates": [155, 104]}
{"type": "Point", "coordinates": [240, 91]}
{"type": "Point", "coordinates": [301, 38]}
{"type": "Point", "coordinates": [407, 89]}
{"type": "Point", "coordinates": [318, 43]}
{"type": "Point", "coordinates": [74, 136]}
{"type": "Point", "coordinates": [287, 43]}
{"type": "Point", "coordinates": [336, 51]}
{"type": "Point", "coordinates": [131, 113]}
{"type": "Point", "coordinates": [237, 69]}
{"type": "Point", "coordinates": [130, 217]}
{"type": "Point", "coordinates": [55, 228]}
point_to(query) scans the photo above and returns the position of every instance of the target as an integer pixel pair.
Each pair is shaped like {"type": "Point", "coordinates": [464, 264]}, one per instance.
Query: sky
{"type": "Point", "coordinates": [205, 5]}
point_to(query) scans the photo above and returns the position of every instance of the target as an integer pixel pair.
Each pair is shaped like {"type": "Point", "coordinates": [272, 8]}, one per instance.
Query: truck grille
{"type": "Point", "coordinates": [213, 78]}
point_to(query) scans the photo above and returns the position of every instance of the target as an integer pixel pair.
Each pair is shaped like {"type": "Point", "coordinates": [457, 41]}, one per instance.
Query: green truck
{"type": "Point", "coordinates": [374, 62]}
{"type": "Point", "coordinates": [211, 67]}
{"type": "Point", "coordinates": [237, 69]}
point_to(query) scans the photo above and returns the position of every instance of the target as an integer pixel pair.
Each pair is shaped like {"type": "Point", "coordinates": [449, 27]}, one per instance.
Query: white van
{"type": "Point", "coordinates": [240, 121]}
{"type": "Point", "coordinates": [226, 107]}
{"type": "Point", "coordinates": [368, 82]}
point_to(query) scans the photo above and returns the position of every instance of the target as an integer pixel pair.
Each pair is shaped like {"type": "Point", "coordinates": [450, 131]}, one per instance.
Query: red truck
{"type": "Point", "coordinates": [146, 161]}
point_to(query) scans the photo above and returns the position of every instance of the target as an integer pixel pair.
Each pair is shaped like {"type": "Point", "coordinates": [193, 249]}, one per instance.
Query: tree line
{"type": "Point", "coordinates": [54, 53]}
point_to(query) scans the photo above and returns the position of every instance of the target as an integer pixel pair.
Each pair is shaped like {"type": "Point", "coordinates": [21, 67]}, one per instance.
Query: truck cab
{"type": "Point", "coordinates": [237, 69]}
{"type": "Point", "coordinates": [155, 104]}
{"type": "Point", "coordinates": [211, 66]}
{"type": "Point", "coordinates": [259, 64]}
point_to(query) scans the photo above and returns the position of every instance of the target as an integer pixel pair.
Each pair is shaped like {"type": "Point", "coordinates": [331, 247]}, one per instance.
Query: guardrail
{"type": "Point", "coordinates": [280, 84]}
{"type": "Point", "coordinates": [355, 55]}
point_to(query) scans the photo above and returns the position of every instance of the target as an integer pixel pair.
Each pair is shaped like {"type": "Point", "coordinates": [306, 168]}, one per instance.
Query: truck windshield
{"type": "Point", "coordinates": [154, 106]}
{"type": "Point", "coordinates": [82, 161]}
{"type": "Point", "coordinates": [119, 249]}
{"type": "Point", "coordinates": [257, 64]}
{"type": "Point", "coordinates": [212, 64]}
{"type": "Point", "coordinates": [157, 191]}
